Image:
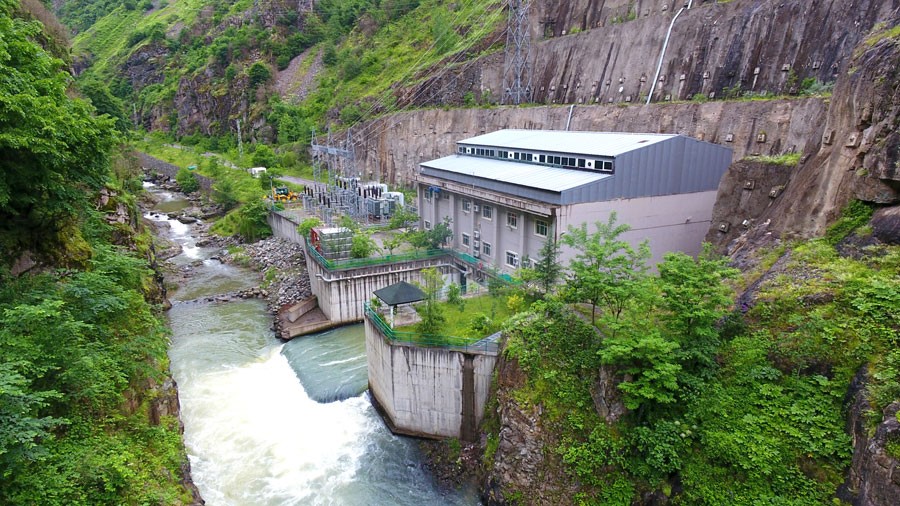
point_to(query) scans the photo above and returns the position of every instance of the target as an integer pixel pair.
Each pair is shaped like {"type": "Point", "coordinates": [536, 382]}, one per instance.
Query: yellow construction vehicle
{"type": "Point", "coordinates": [284, 194]}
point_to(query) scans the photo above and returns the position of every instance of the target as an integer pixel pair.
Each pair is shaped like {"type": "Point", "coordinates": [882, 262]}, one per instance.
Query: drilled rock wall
{"type": "Point", "coordinates": [594, 51]}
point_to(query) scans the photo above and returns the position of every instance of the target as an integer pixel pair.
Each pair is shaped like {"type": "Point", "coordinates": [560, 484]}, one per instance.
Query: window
{"type": "Point", "coordinates": [556, 160]}
{"type": "Point", "coordinates": [486, 247]}
{"type": "Point", "coordinates": [487, 212]}
{"type": "Point", "coordinates": [581, 162]}
{"type": "Point", "coordinates": [428, 195]}
{"type": "Point", "coordinates": [427, 225]}
{"type": "Point", "coordinates": [528, 156]}
{"type": "Point", "coordinates": [465, 239]}
{"type": "Point", "coordinates": [540, 228]}
{"type": "Point", "coordinates": [446, 195]}
{"type": "Point", "coordinates": [516, 155]}
{"type": "Point", "coordinates": [466, 205]}
{"type": "Point", "coordinates": [607, 166]}
{"type": "Point", "coordinates": [512, 220]}
{"type": "Point", "coordinates": [512, 259]}
{"type": "Point", "coordinates": [542, 159]}
{"type": "Point", "coordinates": [493, 153]}
{"type": "Point", "coordinates": [461, 150]}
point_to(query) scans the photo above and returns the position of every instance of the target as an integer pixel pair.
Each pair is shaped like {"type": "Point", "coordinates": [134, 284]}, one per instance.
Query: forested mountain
{"type": "Point", "coordinates": [84, 417]}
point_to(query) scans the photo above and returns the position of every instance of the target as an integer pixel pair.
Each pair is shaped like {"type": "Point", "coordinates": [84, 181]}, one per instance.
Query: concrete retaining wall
{"type": "Point", "coordinates": [420, 391]}
{"type": "Point", "coordinates": [342, 293]}
{"type": "Point", "coordinates": [284, 226]}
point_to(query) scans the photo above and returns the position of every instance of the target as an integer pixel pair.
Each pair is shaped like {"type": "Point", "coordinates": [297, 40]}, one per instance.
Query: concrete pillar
{"type": "Point", "coordinates": [468, 430]}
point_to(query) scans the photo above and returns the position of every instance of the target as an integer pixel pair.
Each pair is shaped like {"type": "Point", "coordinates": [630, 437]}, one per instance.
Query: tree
{"type": "Point", "coordinates": [695, 297]}
{"type": "Point", "coordinates": [545, 271]}
{"type": "Point", "coordinates": [224, 194]}
{"type": "Point", "coordinates": [268, 179]}
{"type": "Point", "coordinates": [606, 269]}
{"type": "Point", "coordinates": [362, 245]}
{"type": "Point", "coordinates": [392, 242]}
{"type": "Point", "coordinates": [430, 310]}
{"type": "Point", "coordinates": [440, 233]}
{"type": "Point", "coordinates": [259, 74]}
{"type": "Point", "coordinates": [52, 147]}
{"type": "Point", "coordinates": [349, 223]}
{"type": "Point", "coordinates": [307, 225]}
{"type": "Point", "coordinates": [252, 222]}
{"type": "Point", "coordinates": [263, 156]}
{"type": "Point", "coordinates": [403, 217]}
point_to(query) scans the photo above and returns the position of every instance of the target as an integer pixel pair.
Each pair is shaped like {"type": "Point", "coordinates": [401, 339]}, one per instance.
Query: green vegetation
{"type": "Point", "coordinates": [187, 181]}
{"type": "Point", "coordinates": [367, 46]}
{"type": "Point", "coordinates": [51, 146]}
{"type": "Point", "coordinates": [430, 310]}
{"type": "Point", "coordinates": [855, 215]}
{"type": "Point", "coordinates": [472, 317]}
{"type": "Point", "coordinates": [788, 159]}
{"type": "Point", "coordinates": [733, 407]}
{"type": "Point", "coordinates": [81, 348]}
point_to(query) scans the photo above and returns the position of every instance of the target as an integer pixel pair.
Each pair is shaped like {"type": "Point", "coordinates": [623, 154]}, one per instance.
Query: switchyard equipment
{"type": "Point", "coordinates": [332, 243]}
{"type": "Point", "coordinates": [343, 193]}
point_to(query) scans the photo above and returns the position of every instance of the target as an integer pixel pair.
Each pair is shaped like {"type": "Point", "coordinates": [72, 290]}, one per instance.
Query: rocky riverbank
{"type": "Point", "coordinates": [282, 265]}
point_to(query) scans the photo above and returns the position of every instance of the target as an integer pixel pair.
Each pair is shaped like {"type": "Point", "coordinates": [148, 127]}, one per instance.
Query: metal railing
{"type": "Point", "coordinates": [353, 263]}
{"type": "Point", "coordinates": [486, 345]}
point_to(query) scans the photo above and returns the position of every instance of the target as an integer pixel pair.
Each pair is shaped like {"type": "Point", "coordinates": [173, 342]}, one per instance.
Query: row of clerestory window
{"type": "Point", "coordinates": [596, 164]}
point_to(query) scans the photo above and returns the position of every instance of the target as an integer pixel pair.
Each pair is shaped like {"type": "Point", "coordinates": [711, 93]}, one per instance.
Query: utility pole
{"type": "Point", "coordinates": [517, 74]}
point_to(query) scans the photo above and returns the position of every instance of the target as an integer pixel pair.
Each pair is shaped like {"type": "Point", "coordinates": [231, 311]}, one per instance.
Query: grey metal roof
{"type": "Point", "coordinates": [672, 164]}
{"type": "Point", "coordinates": [541, 177]}
{"type": "Point", "coordinates": [400, 293]}
{"type": "Point", "coordinates": [605, 144]}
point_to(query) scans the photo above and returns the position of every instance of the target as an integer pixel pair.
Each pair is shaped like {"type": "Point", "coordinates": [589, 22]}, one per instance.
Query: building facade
{"type": "Point", "coordinates": [507, 192]}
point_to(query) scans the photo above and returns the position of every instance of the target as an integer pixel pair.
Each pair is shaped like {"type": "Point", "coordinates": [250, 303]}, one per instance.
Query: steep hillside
{"type": "Point", "coordinates": [198, 67]}
{"type": "Point", "coordinates": [88, 412]}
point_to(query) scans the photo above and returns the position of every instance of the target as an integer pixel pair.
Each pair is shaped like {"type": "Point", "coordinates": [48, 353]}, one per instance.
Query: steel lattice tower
{"type": "Point", "coordinates": [517, 74]}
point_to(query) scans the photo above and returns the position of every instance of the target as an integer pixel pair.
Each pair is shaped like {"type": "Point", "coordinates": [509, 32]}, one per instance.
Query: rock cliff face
{"type": "Point", "coordinates": [596, 51]}
{"type": "Point", "coordinates": [524, 461]}
{"type": "Point", "coordinates": [874, 477]}
{"type": "Point", "coordinates": [857, 157]}
{"type": "Point", "coordinates": [395, 145]}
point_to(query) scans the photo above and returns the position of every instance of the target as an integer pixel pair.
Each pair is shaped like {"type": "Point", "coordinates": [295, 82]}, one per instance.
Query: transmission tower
{"type": "Point", "coordinates": [517, 73]}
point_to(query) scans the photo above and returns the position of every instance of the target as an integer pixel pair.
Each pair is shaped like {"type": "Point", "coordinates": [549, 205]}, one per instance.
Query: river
{"type": "Point", "coordinates": [269, 423]}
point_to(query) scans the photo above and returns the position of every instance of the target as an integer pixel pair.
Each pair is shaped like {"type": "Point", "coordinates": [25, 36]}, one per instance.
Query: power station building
{"type": "Point", "coordinates": [509, 191]}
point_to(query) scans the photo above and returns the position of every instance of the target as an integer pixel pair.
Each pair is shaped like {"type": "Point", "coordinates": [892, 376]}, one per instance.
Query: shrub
{"type": "Point", "coordinates": [187, 181]}
{"type": "Point", "coordinates": [259, 74]}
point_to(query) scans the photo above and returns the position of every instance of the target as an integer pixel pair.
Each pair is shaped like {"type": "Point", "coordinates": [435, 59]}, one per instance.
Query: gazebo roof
{"type": "Point", "coordinates": [400, 293]}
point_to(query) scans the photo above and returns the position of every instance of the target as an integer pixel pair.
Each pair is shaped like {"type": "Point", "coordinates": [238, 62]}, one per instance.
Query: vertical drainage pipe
{"type": "Point", "coordinates": [569, 121]}
{"type": "Point", "coordinates": [663, 54]}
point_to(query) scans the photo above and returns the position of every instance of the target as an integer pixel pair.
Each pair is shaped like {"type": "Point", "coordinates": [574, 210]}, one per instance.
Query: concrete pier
{"type": "Point", "coordinates": [425, 391]}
